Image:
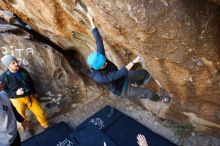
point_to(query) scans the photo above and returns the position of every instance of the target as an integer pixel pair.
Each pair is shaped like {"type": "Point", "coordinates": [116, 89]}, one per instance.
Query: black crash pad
{"type": "Point", "coordinates": [91, 136]}
{"type": "Point", "coordinates": [121, 129]}
{"type": "Point", "coordinates": [58, 135]}
{"type": "Point", "coordinates": [107, 125]}
{"type": "Point", "coordinates": [62, 135]}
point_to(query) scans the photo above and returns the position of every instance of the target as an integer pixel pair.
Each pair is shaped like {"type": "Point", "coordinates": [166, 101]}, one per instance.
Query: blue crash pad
{"type": "Point", "coordinates": [121, 129]}
{"type": "Point", "coordinates": [58, 135]}
{"type": "Point", "coordinates": [107, 125]}
{"type": "Point", "coordinates": [91, 136]}
{"type": "Point", "coordinates": [62, 135]}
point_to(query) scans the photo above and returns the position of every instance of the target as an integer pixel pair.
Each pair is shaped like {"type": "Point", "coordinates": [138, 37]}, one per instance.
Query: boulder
{"type": "Point", "coordinates": [56, 82]}
{"type": "Point", "coordinates": [178, 41]}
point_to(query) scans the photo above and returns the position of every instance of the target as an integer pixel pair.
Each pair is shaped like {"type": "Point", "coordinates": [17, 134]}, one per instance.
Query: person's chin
{"type": "Point", "coordinates": [17, 68]}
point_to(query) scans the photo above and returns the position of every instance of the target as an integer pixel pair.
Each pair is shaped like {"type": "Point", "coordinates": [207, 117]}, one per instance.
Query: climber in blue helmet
{"type": "Point", "coordinates": [96, 60]}
{"type": "Point", "coordinates": [119, 81]}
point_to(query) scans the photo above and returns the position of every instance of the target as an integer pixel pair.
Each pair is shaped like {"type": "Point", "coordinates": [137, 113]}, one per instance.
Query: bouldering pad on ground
{"type": "Point", "coordinates": [107, 125]}
{"type": "Point", "coordinates": [58, 135]}
{"type": "Point", "coordinates": [122, 129]}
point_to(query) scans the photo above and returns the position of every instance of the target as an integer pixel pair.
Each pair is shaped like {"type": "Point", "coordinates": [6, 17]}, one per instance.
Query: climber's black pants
{"type": "Point", "coordinates": [135, 78]}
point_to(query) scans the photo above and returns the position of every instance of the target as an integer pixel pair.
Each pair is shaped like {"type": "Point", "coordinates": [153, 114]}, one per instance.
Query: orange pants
{"type": "Point", "coordinates": [31, 103]}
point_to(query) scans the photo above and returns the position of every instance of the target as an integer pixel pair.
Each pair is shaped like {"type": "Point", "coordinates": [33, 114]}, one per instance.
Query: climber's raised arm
{"type": "Point", "coordinates": [96, 35]}
{"type": "Point", "coordinates": [91, 19]}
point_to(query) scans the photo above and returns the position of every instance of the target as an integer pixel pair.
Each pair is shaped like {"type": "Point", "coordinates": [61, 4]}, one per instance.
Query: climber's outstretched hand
{"type": "Point", "coordinates": [137, 59]}
{"type": "Point", "coordinates": [90, 17]}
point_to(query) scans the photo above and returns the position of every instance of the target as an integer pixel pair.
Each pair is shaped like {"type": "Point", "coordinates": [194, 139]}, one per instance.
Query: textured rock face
{"type": "Point", "coordinates": [51, 72]}
{"type": "Point", "coordinates": [178, 41]}
{"type": "Point", "coordinates": [216, 1]}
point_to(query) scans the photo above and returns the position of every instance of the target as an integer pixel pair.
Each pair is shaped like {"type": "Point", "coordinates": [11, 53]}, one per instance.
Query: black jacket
{"type": "Point", "coordinates": [111, 76]}
{"type": "Point", "coordinates": [13, 83]}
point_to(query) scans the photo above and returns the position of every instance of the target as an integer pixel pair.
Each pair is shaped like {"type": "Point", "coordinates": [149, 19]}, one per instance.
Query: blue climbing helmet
{"type": "Point", "coordinates": [96, 60]}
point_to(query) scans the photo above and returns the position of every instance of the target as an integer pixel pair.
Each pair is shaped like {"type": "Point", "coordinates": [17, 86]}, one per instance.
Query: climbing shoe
{"type": "Point", "coordinates": [165, 99]}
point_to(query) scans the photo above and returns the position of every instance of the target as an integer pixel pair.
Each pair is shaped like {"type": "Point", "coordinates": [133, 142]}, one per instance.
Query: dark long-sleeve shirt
{"type": "Point", "coordinates": [14, 81]}
{"type": "Point", "coordinates": [110, 76]}
{"type": "Point", "coordinates": [18, 117]}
